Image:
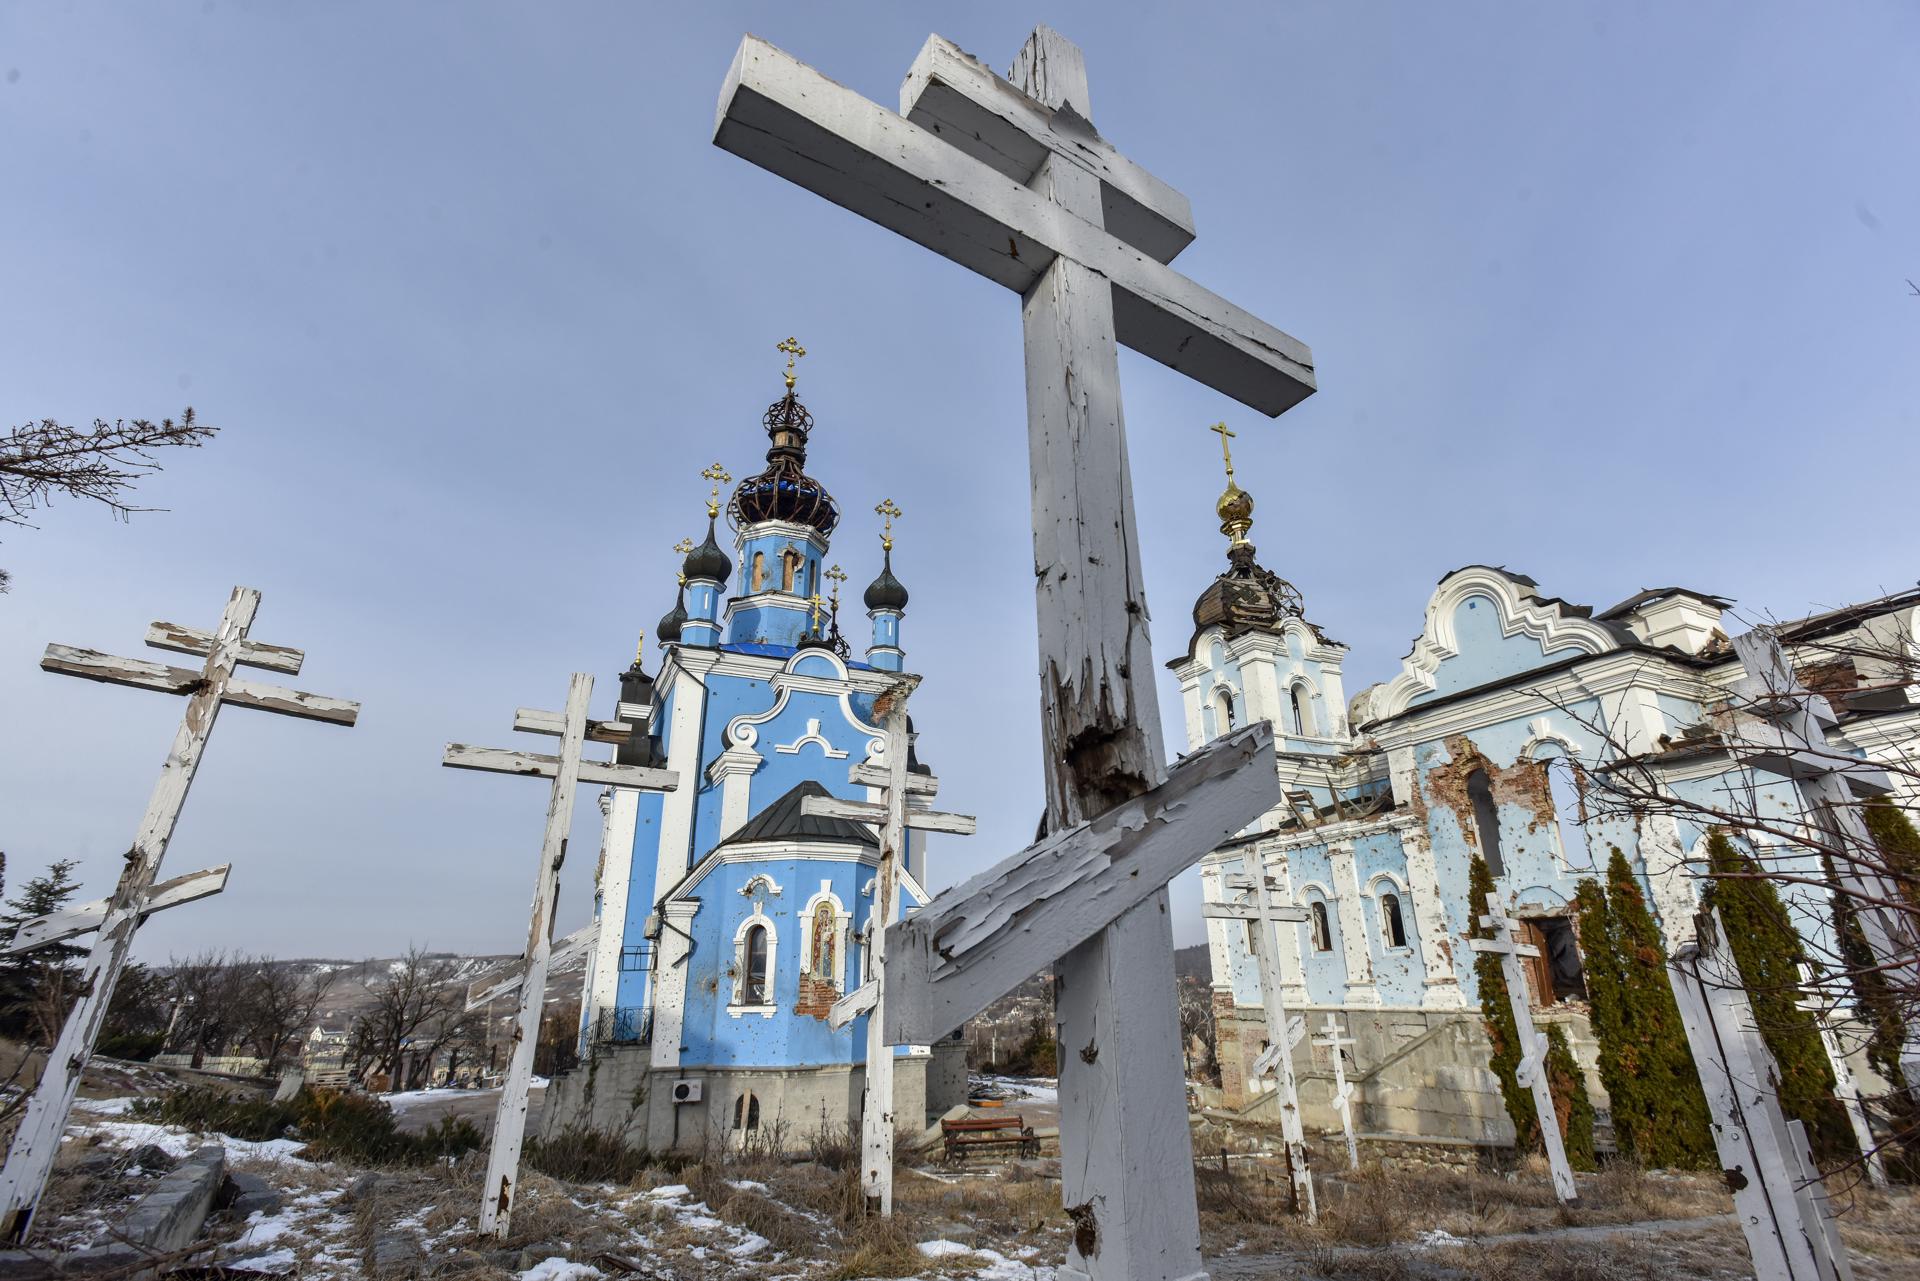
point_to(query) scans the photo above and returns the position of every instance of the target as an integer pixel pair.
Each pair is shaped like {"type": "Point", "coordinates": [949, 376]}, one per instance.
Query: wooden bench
{"type": "Point", "coordinates": [1007, 1130]}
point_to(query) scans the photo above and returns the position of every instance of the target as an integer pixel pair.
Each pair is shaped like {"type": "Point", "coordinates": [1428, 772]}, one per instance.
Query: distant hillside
{"type": "Point", "coordinates": [1192, 963]}
{"type": "Point", "coordinates": [350, 997]}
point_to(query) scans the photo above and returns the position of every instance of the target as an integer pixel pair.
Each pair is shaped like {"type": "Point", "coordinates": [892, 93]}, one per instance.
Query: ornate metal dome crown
{"type": "Point", "coordinates": [784, 491]}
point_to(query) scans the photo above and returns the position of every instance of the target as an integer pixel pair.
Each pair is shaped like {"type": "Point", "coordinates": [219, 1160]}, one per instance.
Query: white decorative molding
{"type": "Point", "coordinates": [736, 1007]}
{"type": "Point", "coordinates": [813, 735]}
{"type": "Point", "coordinates": [842, 924]}
{"type": "Point", "coordinates": [1518, 615]}
{"type": "Point", "coordinates": [744, 730]}
{"type": "Point", "coordinates": [760, 879]}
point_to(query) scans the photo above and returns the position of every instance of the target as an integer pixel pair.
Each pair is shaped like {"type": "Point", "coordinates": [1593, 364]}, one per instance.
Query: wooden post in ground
{"type": "Point", "coordinates": [1342, 1088]}
{"type": "Point", "coordinates": [30, 1157]}
{"type": "Point", "coordinates": [566, 770]}
{"type": "Point", "coordinates": [1283, 1032]}
{"type": "Point", "coordinates": [1777, 1194]}
{"type": "Point", "coordinates": [1013, 181]}
{"type": "Point", "coordinates": [892, 816]}
{"type": "Point", "coordinates": [1531, 1072]}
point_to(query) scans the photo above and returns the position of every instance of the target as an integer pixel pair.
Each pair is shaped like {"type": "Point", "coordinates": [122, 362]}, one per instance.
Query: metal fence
{"type": "Point", "coordinates": [623, 1025]}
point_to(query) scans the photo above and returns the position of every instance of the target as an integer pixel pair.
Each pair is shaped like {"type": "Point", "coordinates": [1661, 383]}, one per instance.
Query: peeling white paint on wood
{"type": "Point", "coordinates": [876, 815]}
{"type": "Point", "coordinates": [1531, 1072]}
{"type": "Point", "coordinates": [503, 760]}
{"type": "Point", "coordinates": [57, 927]}
{"type": "Point", "coordinates": [37, 1140]}
{"type": "Point", "coordinates": [485, 991]}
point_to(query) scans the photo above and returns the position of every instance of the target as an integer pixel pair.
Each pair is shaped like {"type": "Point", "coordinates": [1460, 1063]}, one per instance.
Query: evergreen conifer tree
{"type": "Point", "coordinates": [1899, 844]}
{"type": "Point", "coordinates": [1665, 1110]}
{"type": "Point", "coordinates": [29, 980]}
{"type": "Point", "coordinates": [1770, 953]}
{"type": "Point", "coordinates": [1607, 1003]}
{"type": "Point", "coordinates": [1570, 1100]}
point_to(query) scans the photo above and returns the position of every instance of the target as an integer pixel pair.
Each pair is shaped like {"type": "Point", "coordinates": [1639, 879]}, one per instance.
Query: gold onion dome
{"type": "Point", "coordinates": [1247, 596]}
{"type": "Point", "coordinates": [784, 491]}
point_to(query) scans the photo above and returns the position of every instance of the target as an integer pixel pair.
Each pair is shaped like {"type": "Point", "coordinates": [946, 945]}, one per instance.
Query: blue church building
{"type": "Point", "coordinates": [729, 921]}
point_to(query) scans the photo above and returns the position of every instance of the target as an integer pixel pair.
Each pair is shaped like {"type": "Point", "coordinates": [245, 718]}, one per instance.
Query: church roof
{"type": "Point", "coordinates": [783, 821]}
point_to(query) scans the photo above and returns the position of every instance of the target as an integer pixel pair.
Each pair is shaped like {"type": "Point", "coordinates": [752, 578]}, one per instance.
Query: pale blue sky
{"type": "Point", "coordinates": [1613, 294]}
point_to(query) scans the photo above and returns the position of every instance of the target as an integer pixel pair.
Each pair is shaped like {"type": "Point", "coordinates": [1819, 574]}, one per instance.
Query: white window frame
{"type": "Point", "coordinates": [738, 1006]}
{"type": "Point", "coordinates": [842, 923]}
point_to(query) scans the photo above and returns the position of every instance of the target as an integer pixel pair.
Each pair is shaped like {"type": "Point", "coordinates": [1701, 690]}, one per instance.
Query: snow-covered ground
{"type": "Point", "coordinates": [1041, 1089]}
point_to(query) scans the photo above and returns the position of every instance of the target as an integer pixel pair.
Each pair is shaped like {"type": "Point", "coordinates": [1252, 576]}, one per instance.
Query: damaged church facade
{"type": "Point", "coordinates": [730, 920]}
{"type": "Point", "coordinates": [1470, 749]}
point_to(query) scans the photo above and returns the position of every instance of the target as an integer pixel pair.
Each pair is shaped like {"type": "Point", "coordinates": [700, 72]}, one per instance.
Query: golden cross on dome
{"type": "Point", "coordinates": [814, 603]}
{"type": "Point", "coordinates": [836, 576]}
{"type": "Point", "coordinates": [887, 510]}
{"type": "Point", "coordinates": [718, 475]}
{"type": "Point", "coordinates": [794, 351]}
{"type": "Point", "coordinates": [684, 546]}
{"type": "Point", "coordinates": [1226, 450]}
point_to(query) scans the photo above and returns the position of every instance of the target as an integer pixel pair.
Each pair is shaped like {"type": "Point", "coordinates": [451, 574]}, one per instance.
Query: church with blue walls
{"type": "Point", "coordinates": [1486, 742]}
{"type": "Point", "coordinates": [729, 920]}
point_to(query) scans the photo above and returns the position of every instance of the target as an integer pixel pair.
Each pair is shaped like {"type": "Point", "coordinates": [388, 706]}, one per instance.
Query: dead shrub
{"type": "Point", "coordinates": [877, 1247]}
{"type": "Point", "coordinates": [582, 1154]}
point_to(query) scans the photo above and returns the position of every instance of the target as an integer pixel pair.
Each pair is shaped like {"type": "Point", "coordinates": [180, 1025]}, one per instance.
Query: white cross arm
{"type": "Point", "coordinates": [1531, 1062]}
{"type": "Point", "coordinates": [1502, 946]}
{"type": "Point", "coordinates": [855, 1003]}
{"type": "Point", "coordinates": [533, 721]}
{"type": "Point", "coordinates": [1268, 1059]}
{"type": "Point", "coordinates": [181, 639]}
{"type": "Point", "coordinates": [93, 665]}
{"type": "Point", "coordinates": [1248, 912]}
{"type": "Point", "coordinates": [877, 776]}
{"type": "Point", "coordinates": [501, 760]}
{"type": "Point", "coordinates": [979, 940]}
{"type": "Point", "coordinates": [56, 927]}
{"type": "Point", "coordinates": [786, 117]}
{"type": "Point", "coordinates": [953, 94]}
{"type": "Point", "coordinates": [565, 952]}
{"type": "Point", "coordinates": [868, 812]}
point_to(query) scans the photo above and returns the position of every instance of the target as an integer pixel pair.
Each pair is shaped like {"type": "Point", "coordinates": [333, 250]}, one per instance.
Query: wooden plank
{"type": "Point", "coordinates": [786, 117]}
{"type": "Point", "coordinates": [181, 639]}
{"type": "Point", "coordinates": [242, 692]}
{"type": "Point", "coordinates": [71, 922]}
{"type": "Point", "coordinates": [954, 95]}
{"type": "Point", "coordinates": [855, 1003]}
{"type": "Point", "coordinates": [874, 776]}
{"type": "Point", "coordinates": [533, 721]}
{"type": "Point", "coordinates": [91, 664]}
{"type": "Point", "coordinates": [867, 812]}
{"type": "Point", "coordinates": [484, 991]}
{"type": "Point", "coordinates": [981, 939]}
{"type": "Point", "coordinates": [500, 760]}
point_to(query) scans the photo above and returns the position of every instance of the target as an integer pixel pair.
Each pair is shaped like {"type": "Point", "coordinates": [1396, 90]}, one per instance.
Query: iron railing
{"type": "Point", "coordinates": [623, 1025]}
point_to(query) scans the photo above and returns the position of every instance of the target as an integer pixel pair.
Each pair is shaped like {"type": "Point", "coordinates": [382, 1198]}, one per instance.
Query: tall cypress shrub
{"type": "Point", "coordinates": [1659, 1110]}
{"type": "Point", "coordinates": [1769, 951]}
{"type": "Point", "coordinates": [1570, 1100]}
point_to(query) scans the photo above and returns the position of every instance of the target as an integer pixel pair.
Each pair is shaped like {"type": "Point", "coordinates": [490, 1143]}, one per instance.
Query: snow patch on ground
{"type": "Point", "coordinates": [176, 1142]}
{"type": "Point", "coordinates": [407, 1098]}
{"type": "Point", "coordinates": [103, 1107]}
{"type": "Point", "coordinates": [998, 1267]}
{"type": "Point", "coordinates": [1041, 1089]}
{"type": "Point", "coordinates": [1438, 1238]}
{"type": "Point", "coordinates": [275, 1262]}
{"type": "Point", "coordinates": [559, 1269]}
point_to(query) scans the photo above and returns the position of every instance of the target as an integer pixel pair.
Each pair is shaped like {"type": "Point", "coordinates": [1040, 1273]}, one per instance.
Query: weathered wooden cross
{"type": "Point", "coordinates": [892, 816]}
{"type": "Point", "coordinates": [136, 896]}
{"type": "Point", "coordinates": [1819, 1006]}
{"type": "Point", "coordinates": [1283, 1032]}
{"type": "Point", "coordinates": [1531, 1072]}
{"type": "Point", "coordinates": [1784, 730]}
{"type": "Point", "coordinates": [1342, 1088]}
{"type": "Point", "coordinates": [1777, 1193]}
{"type": "Point", "coordinates": [574, 729]}
{"type": "Point", "coordinates": [1012, 180]}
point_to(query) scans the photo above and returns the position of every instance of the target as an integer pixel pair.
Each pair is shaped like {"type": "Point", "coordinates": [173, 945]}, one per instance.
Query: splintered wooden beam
{"type": "Point", "coordinates": [181, 639]}
{"type": "Point", "coordinates": [784, 116]}
{"type": "Point", "coordinates": [979, 940]}
{"type": "Point", "coordinates": [533, 721]}
{"type": "Point", "coordinates": [953, 94]}
{"type": "Point", "coordinates": [876, 776]}
{"type": "Point", "coordinates": [93, 665]}
{"type": "Point", "coordinates": [501, 760]}
{"type": "Point", "coordinates": [484, 991]}
{"type": "Point", "coordinates": [868, 812]}
{"type": "Point", "coordinates": [855, 1003]}
{"type": "Point", "coordinates": [56, 927]}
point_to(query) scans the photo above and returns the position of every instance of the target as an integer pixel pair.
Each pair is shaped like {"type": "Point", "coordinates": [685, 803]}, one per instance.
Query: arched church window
{"type": "Point", "coordinates": [824, 930]}
{"type": "Point", "coordinates": [746, 1111]}
{"type": "Point", "coordinates": [1569, 812]}
{"type": "Point", "coordinates": [1223, 709]}
{"type": "Point", "coordinates": [753, 989]}
{"type": "Point", "coordinates": [1322, 927]}
{"type": "Point", "coordinates": [759, 571]}
{"type": "Point", "coordinates": [813, 578]}
{"type": "Point", "coordinates": [789, 566]}
{"type": "Point", "coordinates": [1486, 820]}
{"type": "Point", "coordinates": [1392, 928]}
{"type": "Point", "coordinates": [1302, 711]}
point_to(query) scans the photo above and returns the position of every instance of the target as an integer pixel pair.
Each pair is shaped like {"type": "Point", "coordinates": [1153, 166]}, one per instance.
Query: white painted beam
{"type": "Point", "coordinates": [786, 117]}
{"type": "Point", "coordinates": [868, 812]}
{"type": "Point", "coordinates": [966, 104]}
{"type": "Point", "coordinates": [533, 721]}
{"type": "Point", "coordinates": [181, 639]}
{"type": "Point", "coordinates": [876, 776]}
{"type": "Point", "coordinates": [56, 927]}
{"type": "Point", "coordinates": [501, 760]}
{"type": "Point", "coordinates": [93, 665]}
{"type": "Point", "coordinates": [484, 991]}
{"type": "Point", "coordinates": [979, 940]}
{"type": "Point", "coordinates": [855, 1003]}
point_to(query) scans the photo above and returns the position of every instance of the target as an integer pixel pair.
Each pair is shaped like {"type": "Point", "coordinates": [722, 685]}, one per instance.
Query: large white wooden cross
{"type": "Point", "coordinates": [1342, 1088]}
{"type": "Point", "coordinates": [1283, 1033]}
{"type": "Point", "coordinates": [574, 729]}
{"type": "Point", "coordinates": [1011, 179]}
{"type": "Point", "coordinates": [1777, 1193]}
{"type": "Point", "coordinates": [893, 817]}
{"type": "Point", "coordinates": [1784, 730]}
{"type": "Point", "coordinates": [213, 685]}
{"type": "Point", "coordinates": [1531, 1071]}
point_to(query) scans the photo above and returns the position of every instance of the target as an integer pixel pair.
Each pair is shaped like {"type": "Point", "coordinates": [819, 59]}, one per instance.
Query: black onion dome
{"type": "Point", "coordinates": [784, 491]}
{"type": "Point", "coordinates": [667, 632]}
{"type": "Point", "coordinates": [886, 591]}
{"type": "Point", "coordinates": [707, 560]}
